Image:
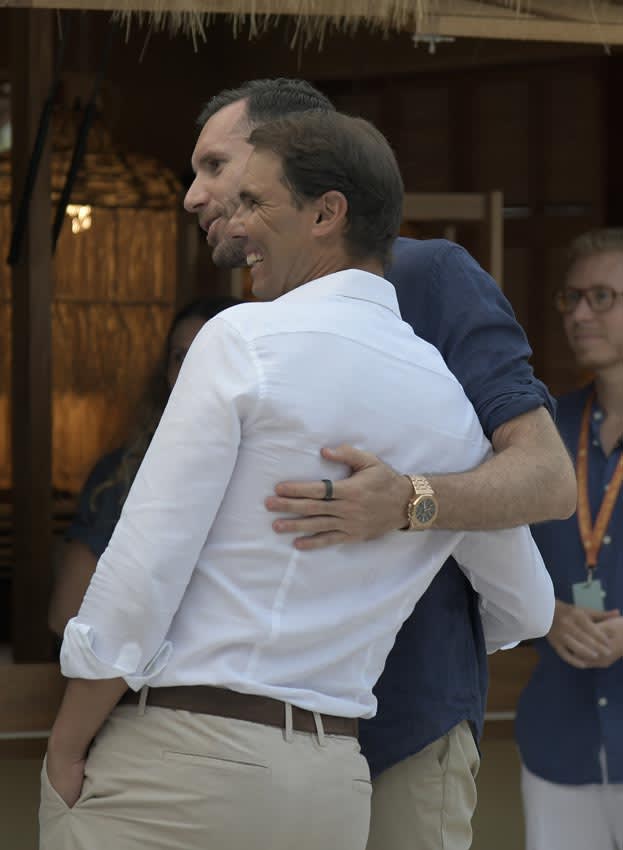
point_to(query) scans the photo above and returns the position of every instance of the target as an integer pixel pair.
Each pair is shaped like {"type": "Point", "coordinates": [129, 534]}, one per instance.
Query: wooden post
{"type": "Point", "coordinates": [186, 287]}
{"type": "Point", "coordinates": [494, 235]}
{"type": "Point", "coordinates": [31, 58]}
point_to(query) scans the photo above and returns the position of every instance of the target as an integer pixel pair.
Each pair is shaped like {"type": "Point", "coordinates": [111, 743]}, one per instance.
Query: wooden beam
{"type": "Point", "coordinates": [444, 206]}
{"type": "Point", "coordinates": [31, 44]}
{"type": "Point", "coordinates": [485, 208]}
{"type": "Point", "coordinates": [520, 29]}
{"type": "Point", "coordinates": [577, 11]}
{"type": "Point", "coordinates": [494, 235]}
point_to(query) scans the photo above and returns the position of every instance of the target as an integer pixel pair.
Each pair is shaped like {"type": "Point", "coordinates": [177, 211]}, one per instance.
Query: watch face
{"type": "Point", "coordinates": [425, 510]}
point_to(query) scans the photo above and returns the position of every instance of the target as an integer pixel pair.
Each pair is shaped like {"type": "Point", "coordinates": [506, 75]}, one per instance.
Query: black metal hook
{"type": "Point", "coordinates": [81, 142]}
{"type": "Point", "coordinates": [21, 218]}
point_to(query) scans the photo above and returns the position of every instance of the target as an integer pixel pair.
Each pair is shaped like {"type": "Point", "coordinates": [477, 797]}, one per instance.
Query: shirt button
{"type": "Point", "coordinates": [595, 442]}
{"type": "Point", "coordinates": [597, 415]}
{"type": "Point", "coordinates": [607, 539]}
{"type": "Point", "coordinates": [602, 702]}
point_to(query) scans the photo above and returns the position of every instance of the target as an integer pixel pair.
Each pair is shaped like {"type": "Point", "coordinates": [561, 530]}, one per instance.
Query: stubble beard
{"type": "Point", "coordinates": [229, 254]}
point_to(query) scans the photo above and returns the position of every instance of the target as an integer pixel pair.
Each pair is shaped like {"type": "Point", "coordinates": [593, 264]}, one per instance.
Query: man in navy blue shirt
{"type": "Point", "coordinates": [432, 694]}
{"type": "Point", "coordinates": [570, 718]}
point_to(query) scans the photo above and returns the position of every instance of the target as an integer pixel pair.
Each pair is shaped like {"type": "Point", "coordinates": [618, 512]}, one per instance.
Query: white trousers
{"type": "Point", "coordinates": [571, 817]}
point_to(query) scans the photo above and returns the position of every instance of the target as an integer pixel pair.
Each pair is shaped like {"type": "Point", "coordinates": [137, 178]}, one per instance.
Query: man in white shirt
{"type": "Point", "coordinates": [254, 659]}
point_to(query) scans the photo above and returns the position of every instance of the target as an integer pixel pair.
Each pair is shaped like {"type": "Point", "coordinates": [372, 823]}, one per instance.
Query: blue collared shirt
{"type": "Point", "coordinates": [436, 674]}
{"type": "Point", "coordinates": [567, 715]}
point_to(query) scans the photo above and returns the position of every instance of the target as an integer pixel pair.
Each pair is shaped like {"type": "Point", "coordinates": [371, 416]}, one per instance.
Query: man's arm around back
{"type": "Point", "coordinates": [529, 478]}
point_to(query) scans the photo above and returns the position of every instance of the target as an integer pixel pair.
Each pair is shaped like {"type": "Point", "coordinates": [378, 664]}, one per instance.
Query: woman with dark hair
{"type": "Point", "coordinates": [105, 491]}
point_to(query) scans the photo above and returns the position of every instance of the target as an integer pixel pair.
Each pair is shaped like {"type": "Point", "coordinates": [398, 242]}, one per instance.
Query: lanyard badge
{"type": "Point", "coordinates": [589, 594]}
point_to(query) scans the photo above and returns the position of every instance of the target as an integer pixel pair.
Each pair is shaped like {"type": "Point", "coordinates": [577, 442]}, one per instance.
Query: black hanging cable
{"type": "Point", "coordinates": [21, 218]}
{"type": "Point", "coordinates": [81, 143]}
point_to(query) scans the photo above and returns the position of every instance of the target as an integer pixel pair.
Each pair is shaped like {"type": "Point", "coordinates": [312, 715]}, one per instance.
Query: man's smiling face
{"type": "Point", "coordinates": [276, 233]}
{"type": "Point", "coordinates": [219, 158]}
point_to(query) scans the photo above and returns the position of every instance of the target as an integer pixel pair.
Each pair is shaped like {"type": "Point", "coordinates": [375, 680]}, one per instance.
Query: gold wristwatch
{"type": "Point", "coordinates": [423, 508]}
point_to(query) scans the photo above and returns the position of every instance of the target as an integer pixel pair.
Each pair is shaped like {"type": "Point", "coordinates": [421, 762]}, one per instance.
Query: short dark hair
{"type": "Point", "coordinates": [327, 151]}
{"type": "Point", "coordinates": [268, 100]}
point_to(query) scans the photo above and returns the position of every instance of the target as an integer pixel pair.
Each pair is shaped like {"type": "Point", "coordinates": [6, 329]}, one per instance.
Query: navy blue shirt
{"type": "Point", "coordinates": [436, 673]}
{"type": "Point", "coordinates": [566, 715]}
{"type": "Point", "coordinates": [99, 505]}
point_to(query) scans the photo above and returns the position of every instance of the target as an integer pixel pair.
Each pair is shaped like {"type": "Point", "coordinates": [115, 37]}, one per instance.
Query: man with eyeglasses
{"type": "Point", "coordinates": [570, 718]}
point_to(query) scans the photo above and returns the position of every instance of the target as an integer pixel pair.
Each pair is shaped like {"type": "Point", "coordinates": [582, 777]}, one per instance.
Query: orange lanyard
{"type": "Point", "coordinates": [593, 535]}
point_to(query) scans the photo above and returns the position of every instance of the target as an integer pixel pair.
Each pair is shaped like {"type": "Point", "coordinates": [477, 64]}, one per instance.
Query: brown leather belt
{"type": "Point", "coordinates": [206, 699]}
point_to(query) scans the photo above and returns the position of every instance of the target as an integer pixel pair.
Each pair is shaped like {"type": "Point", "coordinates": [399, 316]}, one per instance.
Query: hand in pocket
{"type": "Point", "coordinates": [66, 776]}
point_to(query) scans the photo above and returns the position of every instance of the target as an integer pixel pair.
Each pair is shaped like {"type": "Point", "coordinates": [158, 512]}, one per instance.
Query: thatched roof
{"type": "Point", "coordinates": [108, 177]}
{"type": "Point", "coordinates": [587, 21]}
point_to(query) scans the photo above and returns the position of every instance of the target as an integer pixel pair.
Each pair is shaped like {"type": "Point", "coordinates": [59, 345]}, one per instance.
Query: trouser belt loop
{"type": "Point", "coordinates": [288, 728]}
{"type": "Point", "coordinates": [322, 741]}
{"type": "Point", "coordinates": [254, 708]}
{"type": "Point", "coordinates": [142, 702]}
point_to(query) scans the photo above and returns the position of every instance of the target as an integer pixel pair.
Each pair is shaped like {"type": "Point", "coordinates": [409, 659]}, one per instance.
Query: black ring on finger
{"type": "Point", "coordinates": [328, 490]}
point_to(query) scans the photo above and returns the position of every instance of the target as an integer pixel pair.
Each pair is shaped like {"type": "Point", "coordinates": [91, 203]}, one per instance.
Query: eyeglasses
{"type": "Point", "coordinates": [599, 298]}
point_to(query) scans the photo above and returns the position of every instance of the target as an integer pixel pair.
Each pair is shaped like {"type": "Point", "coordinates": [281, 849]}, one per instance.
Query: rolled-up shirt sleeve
{"type": "Point", "coordinates": [122, 625]}
{"type": "Point", "coordinates": [461, 310]}
{"type": "Point", "coordinates": [516, 592]}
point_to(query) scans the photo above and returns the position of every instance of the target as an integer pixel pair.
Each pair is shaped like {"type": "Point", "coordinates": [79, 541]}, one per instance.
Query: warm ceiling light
{"type": "Point", "coordinates": [81, 218]}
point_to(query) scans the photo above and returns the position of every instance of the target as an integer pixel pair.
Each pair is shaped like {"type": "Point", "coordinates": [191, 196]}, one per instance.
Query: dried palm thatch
{"type": "Point", "coordinates": [114, 291]}
{"type": "Point", "coordinates": [590, 21]}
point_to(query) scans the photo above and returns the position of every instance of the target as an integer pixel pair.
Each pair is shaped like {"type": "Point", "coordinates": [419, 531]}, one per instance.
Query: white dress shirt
{"type": "Point", "coordinates": [196, 588]}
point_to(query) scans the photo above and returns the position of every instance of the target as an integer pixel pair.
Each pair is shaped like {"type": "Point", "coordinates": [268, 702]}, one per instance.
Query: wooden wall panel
{"type": "Point", "coordinates": [501, 153]}
{"type": "Point", "coordinates": [575, 157]}
{"type": "Point", "coordinates": [420, 135]}
{"type": "Point", "coordinates": [518, 276]}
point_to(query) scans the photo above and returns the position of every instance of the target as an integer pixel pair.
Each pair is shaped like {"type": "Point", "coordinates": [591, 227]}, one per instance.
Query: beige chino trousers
{"type": "Point", "coordinates": [176, 780]}
{"type": "Point", "coordinates": [427, 801]}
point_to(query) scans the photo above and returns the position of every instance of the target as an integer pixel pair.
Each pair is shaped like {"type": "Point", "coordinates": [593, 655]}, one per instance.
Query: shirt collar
{"type": "Point", "coordinates": [351, 283]}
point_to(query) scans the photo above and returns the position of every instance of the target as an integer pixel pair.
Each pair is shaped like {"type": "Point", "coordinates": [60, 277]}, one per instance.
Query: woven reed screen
{"type": "Point", "coordinates": [114, 293]}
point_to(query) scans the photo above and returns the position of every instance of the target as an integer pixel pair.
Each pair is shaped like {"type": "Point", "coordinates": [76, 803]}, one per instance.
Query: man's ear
{"type": "Point", "coordinates": [330, 213]}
